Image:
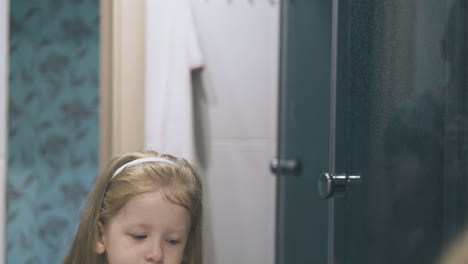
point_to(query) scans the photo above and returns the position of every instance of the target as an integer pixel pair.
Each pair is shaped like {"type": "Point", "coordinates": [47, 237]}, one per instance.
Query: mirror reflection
{"type": "Point", "coordinates": [234, 92]}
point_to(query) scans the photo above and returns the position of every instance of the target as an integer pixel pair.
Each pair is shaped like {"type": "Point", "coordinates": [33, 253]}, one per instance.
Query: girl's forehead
{"type": "Point", "coordinates": [152, 209]}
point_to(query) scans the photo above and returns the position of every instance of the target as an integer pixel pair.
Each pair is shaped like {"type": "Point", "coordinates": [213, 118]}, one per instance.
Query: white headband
{"type": "Point", "coordinates": [138, 161]}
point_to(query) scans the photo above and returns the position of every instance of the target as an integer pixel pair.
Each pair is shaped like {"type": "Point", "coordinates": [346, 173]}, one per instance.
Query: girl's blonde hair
{"type": "Point", "coordinates": [457, 252]}
{"type": "Point", "coordinates": [178, 183]}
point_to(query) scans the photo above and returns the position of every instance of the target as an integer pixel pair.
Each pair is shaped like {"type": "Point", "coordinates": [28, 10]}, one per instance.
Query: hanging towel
{"type": "Point", "coordinates": [172, 51]}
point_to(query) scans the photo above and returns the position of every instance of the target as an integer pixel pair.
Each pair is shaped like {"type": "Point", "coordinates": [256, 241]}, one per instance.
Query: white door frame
{"type": "Point", "coordinates": [121, 78]}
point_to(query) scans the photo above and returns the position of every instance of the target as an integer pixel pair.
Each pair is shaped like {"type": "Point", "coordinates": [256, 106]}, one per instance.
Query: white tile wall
{"type": "Point", "coordinates": [239, 40]}
{"type": "Point", "coordinates": [239, 43]}
{"type": "Point", "coordinates": [240, 204]}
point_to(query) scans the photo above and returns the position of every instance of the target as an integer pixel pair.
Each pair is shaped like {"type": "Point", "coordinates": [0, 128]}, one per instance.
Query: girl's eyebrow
{"type": "Point", "coordinates": [171, 228]}
{"type": "Point", "coordinates": [144, 225]}
{"type": "Point", "coordinates": [130, 224]}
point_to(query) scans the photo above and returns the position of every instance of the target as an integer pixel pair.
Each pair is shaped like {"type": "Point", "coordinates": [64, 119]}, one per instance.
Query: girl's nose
{"type": "Point", "coordinates": [154, 253]}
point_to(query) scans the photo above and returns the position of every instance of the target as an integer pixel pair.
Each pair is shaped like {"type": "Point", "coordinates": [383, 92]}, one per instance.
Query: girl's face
{"type": "Point", "coordinates": [148, 229]}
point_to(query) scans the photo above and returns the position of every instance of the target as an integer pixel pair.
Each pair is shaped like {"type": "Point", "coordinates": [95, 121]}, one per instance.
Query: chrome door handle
{"type": "Point", "coordinates": [335, 186]}
{"type": "Point", "coordinates": [285, 167]}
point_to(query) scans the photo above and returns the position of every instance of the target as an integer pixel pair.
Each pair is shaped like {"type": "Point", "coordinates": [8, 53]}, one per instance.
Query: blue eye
{"type": "Point", "coordinates": [139, 237]}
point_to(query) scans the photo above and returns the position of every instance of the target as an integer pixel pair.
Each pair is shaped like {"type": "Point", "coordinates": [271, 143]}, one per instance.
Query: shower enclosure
{"type": "Point", "coordinates": [373, 137]}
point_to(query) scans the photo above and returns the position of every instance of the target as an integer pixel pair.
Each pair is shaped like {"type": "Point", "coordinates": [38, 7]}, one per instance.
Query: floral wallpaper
{"type": "Point", "coordinates": [53, 124]}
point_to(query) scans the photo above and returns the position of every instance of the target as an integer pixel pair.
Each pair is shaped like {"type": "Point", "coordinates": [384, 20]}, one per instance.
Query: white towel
{"type": "Point", "coordinates": [172, 51]}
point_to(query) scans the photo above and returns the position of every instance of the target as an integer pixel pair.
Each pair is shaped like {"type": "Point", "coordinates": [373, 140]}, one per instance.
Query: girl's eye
{"type": "Point", "coordinates": [172, 241]}
{"type": "Point", "coordinates": [139, 237]}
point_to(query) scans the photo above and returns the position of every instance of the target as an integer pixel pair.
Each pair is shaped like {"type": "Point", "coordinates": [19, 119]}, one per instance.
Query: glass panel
{"type": "Point", "coordinates": [405, 75]}
{"type": "Point", "coordinates": [304, 130]}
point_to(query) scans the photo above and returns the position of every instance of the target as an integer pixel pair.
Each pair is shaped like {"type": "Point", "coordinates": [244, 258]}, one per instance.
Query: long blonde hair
{"type": "Point", "coordinates": [457, 252]}
{"type": "Point", "coordinates": [178, 183]}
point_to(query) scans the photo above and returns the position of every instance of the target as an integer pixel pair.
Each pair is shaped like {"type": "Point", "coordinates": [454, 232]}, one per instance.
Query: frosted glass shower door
{"type": "Point", "coordinates": [401, 126]}
{"type": "Point", "coordinates": [374, 110]}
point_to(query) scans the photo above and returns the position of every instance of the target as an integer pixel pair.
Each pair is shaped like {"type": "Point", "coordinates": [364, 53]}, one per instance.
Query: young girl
{"type": "Point", "coordinates": [145, 208]}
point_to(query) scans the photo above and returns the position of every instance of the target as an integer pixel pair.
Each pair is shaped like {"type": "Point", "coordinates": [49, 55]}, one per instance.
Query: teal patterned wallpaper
{"type": "Point", "coordinates": [53, 124]}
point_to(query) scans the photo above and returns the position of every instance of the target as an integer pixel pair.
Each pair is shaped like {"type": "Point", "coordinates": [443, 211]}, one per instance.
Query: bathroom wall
{"type": "Point", "coordinates": [3, 119]}
{"type": "Point", "coordinates": [236, 99]}
{"type": "Point", "coordinates": [53, 124]}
